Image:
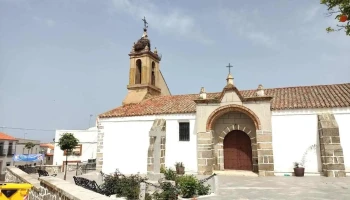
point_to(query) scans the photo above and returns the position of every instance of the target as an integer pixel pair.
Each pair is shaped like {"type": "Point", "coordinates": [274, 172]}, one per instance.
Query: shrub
{"type": "Point", "coordinates": [188, 185]}
{"type": "Point", "coordinates": [123, 186]}
{"type": "Point", "coordinates": [170, 174]}
{"type": "Point", "coordinates": [202, 189]}
{"type": "Point", "coordinates": [169, 192]}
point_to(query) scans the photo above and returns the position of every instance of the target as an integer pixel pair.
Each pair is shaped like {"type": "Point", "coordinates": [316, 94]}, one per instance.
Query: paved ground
{"type": "Point", "coordinates": [232, 187]}
{"type": "Point", "coordinates": [271, 188]}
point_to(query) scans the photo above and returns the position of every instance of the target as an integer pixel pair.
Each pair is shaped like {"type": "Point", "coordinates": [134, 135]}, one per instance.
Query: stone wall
{"type": "Point", "coordinates": [332, 157]}
{"type": "Point", "coordinates": [51, 169]}
{"type": "Point", "coordinates": [51, 188]}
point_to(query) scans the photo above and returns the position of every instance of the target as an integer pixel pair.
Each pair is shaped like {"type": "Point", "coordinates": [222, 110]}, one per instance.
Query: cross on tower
{"type": "Point", "coordinates": [229, 68]}
{"type": "Point", "coordinates": [145, 23]}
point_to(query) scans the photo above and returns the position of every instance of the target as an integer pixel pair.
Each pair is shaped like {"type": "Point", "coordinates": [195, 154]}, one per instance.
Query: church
{"type": "Point", "coordinates": [259, 130]}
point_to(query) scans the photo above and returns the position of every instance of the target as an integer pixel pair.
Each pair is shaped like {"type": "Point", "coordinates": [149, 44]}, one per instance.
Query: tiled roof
{"type": "Point", "coordinates": [318, 96]}
{"type": "Point", "coordinates": [47, 145]}
{"type": "Point", "coordinates": [4, 136]}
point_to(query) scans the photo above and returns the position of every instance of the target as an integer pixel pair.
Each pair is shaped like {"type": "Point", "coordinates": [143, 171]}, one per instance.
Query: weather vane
{"type": "Point", "coordinates": [229, 68]}
{"type": "Point", "coordinates": [145, 23]}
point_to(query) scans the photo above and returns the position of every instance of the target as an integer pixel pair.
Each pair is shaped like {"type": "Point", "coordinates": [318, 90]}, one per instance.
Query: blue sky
{"type": "Point", "coordinates": [61, 61]}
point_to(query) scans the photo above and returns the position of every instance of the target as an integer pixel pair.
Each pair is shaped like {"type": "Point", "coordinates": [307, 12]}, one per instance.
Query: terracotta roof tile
{"type": "Point", "coordinates": [4, 136]}
{"type": "Point", "coordinates": [318, 96]}
{"type": "Point", "coordinates": [48, 145]}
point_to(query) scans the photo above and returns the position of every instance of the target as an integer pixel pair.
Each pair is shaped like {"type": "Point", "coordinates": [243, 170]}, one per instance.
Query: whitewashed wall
{"type": "Point", "coordinates": [126, 142]}
{"type": "Point", "coordinates": [88, 139]}
{"type": "Point", "coordinates": [343, 121]}
{"type": "Point", "coordinates": [294, 131]}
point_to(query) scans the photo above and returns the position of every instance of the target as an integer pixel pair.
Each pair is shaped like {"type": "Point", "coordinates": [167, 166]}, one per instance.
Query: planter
{"type": "Point", "coordinates": [180, 170]}
{"type": "Point", "coordinates": [299, 171]}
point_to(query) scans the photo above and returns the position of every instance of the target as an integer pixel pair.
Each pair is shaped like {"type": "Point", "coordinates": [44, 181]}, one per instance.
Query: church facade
{"type": "Point", "coordinates": [259, 130]}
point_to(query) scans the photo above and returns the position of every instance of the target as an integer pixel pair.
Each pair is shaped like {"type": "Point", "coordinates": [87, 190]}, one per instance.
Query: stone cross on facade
{"type": "Point", "coordinates": [156, 150]}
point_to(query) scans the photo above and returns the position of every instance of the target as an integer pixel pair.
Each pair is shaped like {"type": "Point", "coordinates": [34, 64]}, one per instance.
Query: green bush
{"type": "Point", "coordinates": [123, 186]}
{"type": "Point", "coordinates": [168, 192]}
{"type": "Point", "coordinates": [170, 174]}
{"type": "Point", "coordinates": [202, 189]}
{"type": "Point", "coordinates": [190, 186]}
{"type": "Point", "coordinates": [187, 185]}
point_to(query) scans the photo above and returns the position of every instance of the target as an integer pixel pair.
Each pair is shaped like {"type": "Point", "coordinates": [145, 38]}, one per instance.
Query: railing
{"type": "Point", "coordinates": [3, 152]}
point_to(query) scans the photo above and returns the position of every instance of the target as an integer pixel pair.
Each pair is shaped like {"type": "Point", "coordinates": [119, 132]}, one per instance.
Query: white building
{"type": "Point", "coordinates": [260, 130]}
{"type": "Point", "coordinates": [83, 152]}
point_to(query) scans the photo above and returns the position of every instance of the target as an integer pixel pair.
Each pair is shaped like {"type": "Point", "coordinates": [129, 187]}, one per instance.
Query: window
{"type": "Point", "coordinates": [138, 74]}
{"type": "Point", "coordinates": [76, 151]}
{"type": "Point", "coordinates": [184, 131]}
{"type": "Point", "coordinates": [153, 76]}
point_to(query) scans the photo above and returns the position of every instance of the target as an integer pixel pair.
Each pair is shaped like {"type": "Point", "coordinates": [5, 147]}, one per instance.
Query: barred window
{"type": "Point", "coordinates": [184, 131]}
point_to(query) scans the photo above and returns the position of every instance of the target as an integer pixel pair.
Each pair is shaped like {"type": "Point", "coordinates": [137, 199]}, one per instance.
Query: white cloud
{"type": "Point", "coordinates": [174, 21]}
{"type": "Point", "coordinates": [241, 23]}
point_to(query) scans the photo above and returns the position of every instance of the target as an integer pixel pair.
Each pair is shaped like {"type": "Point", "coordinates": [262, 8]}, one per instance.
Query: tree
{"type": "Point", "coordinates": [29, 145]}
{"type": "Point", "coordinates": [341, 10]}
{"type": "Point", "coordinates": [67, 143]}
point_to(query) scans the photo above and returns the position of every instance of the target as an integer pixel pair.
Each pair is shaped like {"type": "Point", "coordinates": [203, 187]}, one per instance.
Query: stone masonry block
{"type": "Point", "coordinates": [264, 145]}
{"type": "Point", "coordinates": [338, 152]}
{"type": "Point", "coordinates": [329, 174]}
{"type": "Point", "coordinates": [204, 147]}
{"type": "Point", "coordinates": [202, 161]}
{"type": "Point", "coordinates": [339, 174]}
{"type": "Point", "coordinates": [330, 132]}
{"type": "Point", "coordinates": [206, 154]}
{"type": "Point", "coordinates": [265, 152]}
{"type": "Point", "coordinates": [339, 160]}
{"type": "Point", "coordinates": [329, 153]}
{"type": "Point", "coordinates": [326, 140]}
{"type": "Point", "coordinates": [206, 135]}
{"type": "Point", "coordinates": [254, 153]}
{"type": "Point", "coordinates": [203, 141]}
{"type": "Point", "coordinates": [269, 173]}
{"type": "Point", "coordinates": [266, 167]}
{"type": "Point", "coordinates": [329, 160]}
{"type": "Point", "coordinates": [264, 138]}
{"type": "Point", "coordinates": [335, 167]}
{"type": "Point", "coordinates": [335, 139]}
{"type": "Point", "coordinates": [332, 147]}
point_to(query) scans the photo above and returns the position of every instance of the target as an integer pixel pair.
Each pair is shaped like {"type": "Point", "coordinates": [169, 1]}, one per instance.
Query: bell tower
{"type": "Point", "coordinates": [145, 78]}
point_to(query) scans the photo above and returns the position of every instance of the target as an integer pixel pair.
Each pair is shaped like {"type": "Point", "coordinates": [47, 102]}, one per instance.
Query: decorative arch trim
{"type": "Point", "coordinates": [232, 108]}
{"type": "Point", "coordinates": [236, 127]}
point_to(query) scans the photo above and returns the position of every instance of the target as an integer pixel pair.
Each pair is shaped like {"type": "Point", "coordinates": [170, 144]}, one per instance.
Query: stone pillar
{"type": "Point", "coordinates": [156, 149]}
{"type": "Point", "coordinates": [332, 157]}
{"type": "Point", "coordinates": [205, 153]}
{"type": "Point", "coordinates": [265, 153]}
{"type": "Point", "coordinates": [150, 158]}
{"type": "Point", "coordinates": [99, 153]}
{"type": "Point", "coordinates": [162, 152]}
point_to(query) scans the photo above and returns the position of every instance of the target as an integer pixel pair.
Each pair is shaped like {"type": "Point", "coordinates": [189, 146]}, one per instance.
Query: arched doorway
{"type": "Point", "coordinates": [237, 151]}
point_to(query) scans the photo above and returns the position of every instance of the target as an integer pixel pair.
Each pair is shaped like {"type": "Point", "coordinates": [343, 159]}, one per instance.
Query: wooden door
{"type": "Point", "coordinates": [237, 151]}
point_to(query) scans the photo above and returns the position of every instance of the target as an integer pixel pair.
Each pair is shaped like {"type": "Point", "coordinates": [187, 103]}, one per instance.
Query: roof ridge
{"type": "Point", "coordinates": [302, 86]}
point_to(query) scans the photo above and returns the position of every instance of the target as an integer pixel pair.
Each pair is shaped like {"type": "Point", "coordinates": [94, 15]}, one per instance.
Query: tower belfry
{"type": "Point", "coordinates": [145, 78]}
